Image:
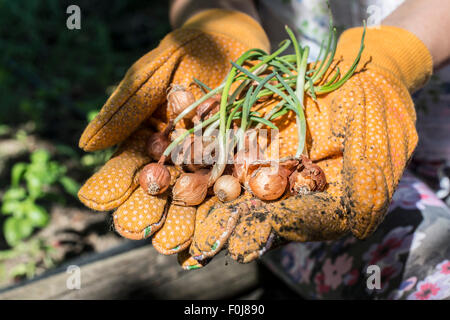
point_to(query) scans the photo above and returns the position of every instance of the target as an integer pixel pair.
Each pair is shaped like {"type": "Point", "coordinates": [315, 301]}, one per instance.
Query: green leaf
{"type": "Point", "coordinates": [311, 89]}
{"type": "Point", "coordinates": [288, 89]}
{"type": "Point", "coordinates": [267, 85]}
{"type": "Point", "coordinates": [276, 63]}
{"type": "Point", "coordinates": [264, 121]}
{"type": "Point", "coordinates": [280, 113]}
{"type": "Point", "coordinates": [246, 109]}
{"type": "Point", "coordinates": [17, 172]}
{"type": "Point", "coordinates": [40, 156]}
{"type": "Point", "coordinates": [13, 207]}
{"type": "Point", "coordinates": [259, 87]}
{"type": "Point", "coordinates": [39, 170]}
{"type": "Point", "coordinates": [36, 214]}
{"type": "Point", "coordinates": [34, 185]}
{"type": "Point", "coordinates": [70, 185]}
{"type": "Point", "coordinates": [350, 72]}
{"type": "Point", "coordinates": [16, 229]}
{"type": "Point", "coordinates": [203, 86]}
{"type": "Point", "coordinates": [14, 194]}
{"type": "Point", "coordinates": [55, 172]}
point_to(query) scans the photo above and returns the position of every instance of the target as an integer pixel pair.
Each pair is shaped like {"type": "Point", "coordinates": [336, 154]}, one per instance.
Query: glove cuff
{"type": "Point", "coordinates": [230, 23]}
{"type": "Point", "coordinates": [393, 49]}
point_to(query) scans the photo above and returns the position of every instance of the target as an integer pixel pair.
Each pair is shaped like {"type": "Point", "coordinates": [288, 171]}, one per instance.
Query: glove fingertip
{"type": "Point", "coordinates": [177, 232]}
{"type": "Point", "coordinates": [161, 248]}
{"type": "Point", "coordinates": [187, 262]}
{"type": "Point", "coordinates": [137, 235]}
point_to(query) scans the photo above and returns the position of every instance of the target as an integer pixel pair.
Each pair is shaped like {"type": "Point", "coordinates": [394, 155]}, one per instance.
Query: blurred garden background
{"type": "Point", "coordinates": [52, 82]}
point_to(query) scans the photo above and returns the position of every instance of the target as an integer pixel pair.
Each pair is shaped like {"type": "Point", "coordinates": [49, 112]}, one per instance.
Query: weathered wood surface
{"type": "Point", "coordinates": [142, 273]}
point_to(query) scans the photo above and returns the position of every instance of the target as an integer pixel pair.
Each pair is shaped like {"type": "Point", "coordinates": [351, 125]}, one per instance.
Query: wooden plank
{"type": "Point", "coordinates": [143, 272]}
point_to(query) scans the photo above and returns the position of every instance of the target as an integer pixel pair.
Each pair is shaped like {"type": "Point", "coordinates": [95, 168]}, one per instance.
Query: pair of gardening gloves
{"type": "Point", "coordinates": [362, 136]}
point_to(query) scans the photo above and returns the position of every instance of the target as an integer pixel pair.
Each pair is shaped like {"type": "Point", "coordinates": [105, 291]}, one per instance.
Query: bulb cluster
{"type": "Point", "coordinates": [257, 77]}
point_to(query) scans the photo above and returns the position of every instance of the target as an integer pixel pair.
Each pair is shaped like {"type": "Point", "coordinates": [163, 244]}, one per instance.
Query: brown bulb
{"type": "Point", "coordinates": [268, 183]}
{"type": "Point", "coordinates": [208, 108]}
{"type": "Point", "coordinates": [227, 188]}
{"type": "Point", "coordinates": [191, 188]}
{"type": "Point", "coordinates": [178, 99]}
{"type": "Point", "coordinates": [242, 161]}
{"type": "Point", "coordinates": [154, 178]}
{"type": "Point", "coordinates": [158, 142]}
{"type": "Point", "coordinates": [189, 157]}
{"type": "Point", "coordinates": [156, 145]}
{"type": "Point", "coordinates": [309, 178]}
{"type": "Point", "coordinates": [300, 184]}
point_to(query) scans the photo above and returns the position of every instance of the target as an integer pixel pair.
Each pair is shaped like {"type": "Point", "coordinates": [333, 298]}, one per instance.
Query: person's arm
{"type": "Point", "coordinates": [429, 21]}
{"type": "Point", "coordinates": [181, 10]}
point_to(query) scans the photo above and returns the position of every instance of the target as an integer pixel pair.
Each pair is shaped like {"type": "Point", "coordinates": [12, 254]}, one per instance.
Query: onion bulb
{"type": "Point", "coordinates": [189, 157]}
{"type": "Point", "coordinates": [191, 188]}
{"type": "Point", "coordinates": [242, 160]}
{"type": "Point", "coordinates": [227, 188]}
{"type": "Point", "coordinates": [300, 184]}
{"type": "Point", "coordinates": [154, 178]}
{"type": "Point", "coordinates": [158, 142]}
{"type": "Point", "coordinates": [179, 99]}
{"type": "Point", "coordinates": [309, 178]}
{"type": "Point", "coordinates": [268, 183]}
{"type": "Point", "coordinates": [208, 108]}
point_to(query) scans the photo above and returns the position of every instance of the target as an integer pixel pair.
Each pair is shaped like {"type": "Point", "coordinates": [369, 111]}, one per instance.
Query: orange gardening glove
{"type": "Point", "coordinates": [201, 48]}
{"type": "Point", "coordinates": [362, 136]}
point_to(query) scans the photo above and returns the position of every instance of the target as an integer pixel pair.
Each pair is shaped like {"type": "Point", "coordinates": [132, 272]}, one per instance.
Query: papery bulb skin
{"type": "Point", "coordinates": [307, 179]}
{"type": "Point", "coordinates": [154, 178]}
{"type": "Point", "coordinates": [157, 143]}
{"type": "Point", "coordinates": [178, 99]}
{"type": "Point", "coordinates": [191, 188]}
{"type": "Point", "coordinates": [227, 188]}
{"type": "Point", "coordinates": [268, 183]}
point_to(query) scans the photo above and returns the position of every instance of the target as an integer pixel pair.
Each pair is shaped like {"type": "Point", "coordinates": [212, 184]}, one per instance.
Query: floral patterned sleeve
{"type": "Point", "coordinates": [410, 249]}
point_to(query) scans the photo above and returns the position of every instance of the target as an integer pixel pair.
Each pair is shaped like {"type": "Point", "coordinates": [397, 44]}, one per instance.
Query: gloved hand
{"type": "Point", "coordinates": [361, 135]}
{"type": "Point", "coordinates": [201, 48]}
